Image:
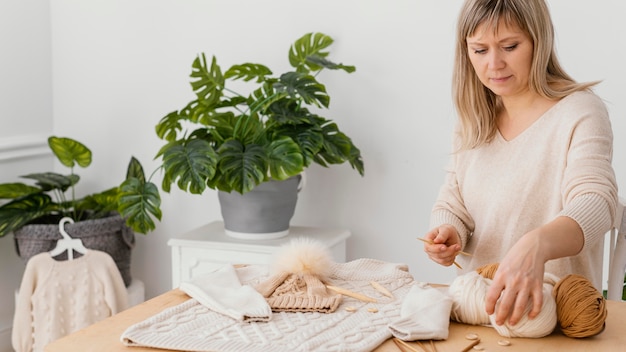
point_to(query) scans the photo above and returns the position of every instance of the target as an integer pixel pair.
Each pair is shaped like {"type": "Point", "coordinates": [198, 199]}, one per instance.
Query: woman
{"type": "Point", "coordinates": [530, 183]}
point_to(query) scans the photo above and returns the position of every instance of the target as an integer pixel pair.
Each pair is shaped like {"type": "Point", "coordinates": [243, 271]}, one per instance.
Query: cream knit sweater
{"type": "Point", "coordinates": [60, 297]}
{"type": "Point", "coordinates": [559, 166]}
{"type": "Point", "coordinates": [190, 326]}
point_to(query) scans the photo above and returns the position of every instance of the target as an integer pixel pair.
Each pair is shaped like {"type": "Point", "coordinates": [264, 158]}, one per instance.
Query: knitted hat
{"type": "Point", "coordinates": [298, 283]}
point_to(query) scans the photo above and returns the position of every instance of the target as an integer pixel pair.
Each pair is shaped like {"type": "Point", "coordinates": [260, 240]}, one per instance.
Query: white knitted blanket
{"type": "Point", "coordinates": [190, 326]}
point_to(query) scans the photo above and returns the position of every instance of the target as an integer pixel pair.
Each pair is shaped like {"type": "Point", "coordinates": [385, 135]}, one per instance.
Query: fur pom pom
{"type": "Point", "coordinates": [303, 256]}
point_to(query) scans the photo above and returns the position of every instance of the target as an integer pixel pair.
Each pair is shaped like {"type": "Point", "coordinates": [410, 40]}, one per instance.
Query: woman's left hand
{"type": "Point", "coordinates": [518, 280]}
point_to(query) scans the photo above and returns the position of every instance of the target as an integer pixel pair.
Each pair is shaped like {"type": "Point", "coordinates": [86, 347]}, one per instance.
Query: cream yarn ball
{"type": "Point", "coordinates": [540, 326]}
{"type": "Point", "coordinates": [468, 292]}
{"type": "Point", "coordinates": [468, 298]}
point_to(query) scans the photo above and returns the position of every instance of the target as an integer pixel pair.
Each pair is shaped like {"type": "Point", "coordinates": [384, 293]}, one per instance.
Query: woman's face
{"type": "Point", "coordinates": [501, 59]}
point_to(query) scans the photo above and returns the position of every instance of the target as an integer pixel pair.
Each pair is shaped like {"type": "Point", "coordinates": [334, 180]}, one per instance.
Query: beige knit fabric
{"type": "Point", "coordinates": [191, 326]}
{"type": "Point", "coordinates": [559, 166]}
{"type": "Point", "coordinates": [287, 292]}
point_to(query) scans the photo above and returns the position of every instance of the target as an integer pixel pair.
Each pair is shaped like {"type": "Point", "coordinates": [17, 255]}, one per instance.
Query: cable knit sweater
{"type": "Point", "coordinates": [190, 326]}
{"type": "Point", "coordinates": [559, 166]}
{"type": "Point", "coordinates": [57, 298]}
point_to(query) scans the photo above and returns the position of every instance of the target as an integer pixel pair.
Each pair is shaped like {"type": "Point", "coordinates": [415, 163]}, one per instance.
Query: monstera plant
{"type": "Point", "coordinates": [231, 141]}
{"type": "Point", "coordinates": [51, 196]}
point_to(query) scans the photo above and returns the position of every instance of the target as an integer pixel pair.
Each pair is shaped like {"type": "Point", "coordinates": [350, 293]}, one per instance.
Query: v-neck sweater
{"type": "Point", "coordinates": [559, 166]}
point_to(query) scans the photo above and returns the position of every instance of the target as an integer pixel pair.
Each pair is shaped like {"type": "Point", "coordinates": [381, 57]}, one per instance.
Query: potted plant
{"type": "Point", "coordinates": [237, 142]}
{"type": "Point", "coordinates": [106, 220]}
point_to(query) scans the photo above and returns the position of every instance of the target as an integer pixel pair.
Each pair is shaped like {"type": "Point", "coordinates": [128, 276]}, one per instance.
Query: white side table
{"type": "Point", "coordinates": [207, 248]}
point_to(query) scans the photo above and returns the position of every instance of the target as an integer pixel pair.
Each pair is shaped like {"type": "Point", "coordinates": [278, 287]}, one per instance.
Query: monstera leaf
{"type": "Point", "coordinates": [21, 211]}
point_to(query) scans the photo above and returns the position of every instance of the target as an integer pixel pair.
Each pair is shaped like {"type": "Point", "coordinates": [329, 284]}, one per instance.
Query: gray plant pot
{"type": "Point", "coordinates": [263, 213]}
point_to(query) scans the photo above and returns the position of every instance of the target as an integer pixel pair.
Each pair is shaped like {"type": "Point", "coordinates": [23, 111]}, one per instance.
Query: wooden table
{"type": "Point", "coordinates": [104, 336]}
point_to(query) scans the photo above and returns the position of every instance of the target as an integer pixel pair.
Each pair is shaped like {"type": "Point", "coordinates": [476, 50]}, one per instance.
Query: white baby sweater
{"type": "Point", "coordinates": [559, 166]}
{"type": "Point", "coordinates": [57, 298]}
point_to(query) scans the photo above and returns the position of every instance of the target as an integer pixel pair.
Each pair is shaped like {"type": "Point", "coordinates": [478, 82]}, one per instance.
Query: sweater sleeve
{"type": "Point", "coordinates": [449, 208]}
{"type": "Point", "coordinates": [589, 187]}
{"type": "Point", "coordinates": [115, 294]}
{"type": "Point", "coordinates": [22, 335]}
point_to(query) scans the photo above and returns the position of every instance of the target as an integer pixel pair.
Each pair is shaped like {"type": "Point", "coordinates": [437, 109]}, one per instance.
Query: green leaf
{"type": "Point", "coordinates": [21, 211]}
{"type": "Point", "coordinates": [135, 170]}
{"type": "Point", "coordinates": [261, 98]}
{"type": "Point", "coordinates": [304, 86]}
{"type": "Point", "coordinates": [168, 126]}
{"type": "Point", "coordinates": [191, 164]}
{"type": "Point", "coordinates": [323, 62]}
{"type": "Point", "coordinates": [308, 45]}
{"type": "Point", "coordinates": [138, 202]}
{"type": "Point", "coordinates": [338, 148]}
{"type": "Point", "coordinates": [207, 82]}
{"type": "Point", "coordinates": [50, 180]}
{"type": "Point", "coordinates": [100, 204]}
{"type": "Point", "coordinates": [70, 152]}
{"type": "Point", "coordinates": [248, 72]}
{"type": "Point", "coordinates": [311, 142]}
{"type": "Point", "coordinates": [16, 190]}
{"type": "Point", "coordinates": [242, 167]}
{"type": "Point", "coordinates": [287, 111]}
{"type": "Point", "coordinates": [285, 158]}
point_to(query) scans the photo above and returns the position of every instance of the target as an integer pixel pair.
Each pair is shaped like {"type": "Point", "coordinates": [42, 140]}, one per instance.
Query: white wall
{"type": "Point", "coordinates": [118, 66]}
{"type": "Point", "coordinates": [25, 120]}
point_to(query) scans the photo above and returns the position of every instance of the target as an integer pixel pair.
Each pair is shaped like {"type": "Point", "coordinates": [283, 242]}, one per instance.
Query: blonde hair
{"type": "Point", "coordinates": [476, 105]}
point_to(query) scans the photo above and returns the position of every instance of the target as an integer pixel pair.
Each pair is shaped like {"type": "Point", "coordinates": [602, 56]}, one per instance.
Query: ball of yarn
{"type": "Point", "coordinates": [540, 326]}
{"type": "Point", "coordinates": [488, 271]}
{"type": "Point", "coordinates": [468, 293]}
{"type": "Point", "coordinates": [581, 308]}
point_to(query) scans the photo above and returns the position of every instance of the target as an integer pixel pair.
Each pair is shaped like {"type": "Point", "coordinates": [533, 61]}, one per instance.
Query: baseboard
{"type": "Point", "coordinates": [5, 338]}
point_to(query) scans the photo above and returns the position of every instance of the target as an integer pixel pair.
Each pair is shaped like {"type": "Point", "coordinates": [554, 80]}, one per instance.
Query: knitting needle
{"type": "Point", "coordinates": [432, 344]}
{"type": "Point", "coordinates": [381, 289]}
{"type": "Point", "coordinates": [471, 345]}
{"type": "Point", "coordinates": [431, 242]}
{"type": "Point", "coordinates": [349, 293]}
{"type": "Point", "coordinates": [398, 342]}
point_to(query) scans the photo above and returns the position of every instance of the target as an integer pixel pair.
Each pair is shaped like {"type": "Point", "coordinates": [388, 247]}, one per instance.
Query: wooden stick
{"type": "Point", "coordinates": [398, 342]}
{"type": "Point", "coordinates": [454, 262]}
{"type": "Point", "coordinates": [349, 293]}
{"type": "Point", "coordinates": [381, 289]}
{"type": "Point", "coordinates": [431, 242]}
{"type": "Point", "coordinates": [432, 344]}
{"type": "Point", "coordinates": [471, 345]}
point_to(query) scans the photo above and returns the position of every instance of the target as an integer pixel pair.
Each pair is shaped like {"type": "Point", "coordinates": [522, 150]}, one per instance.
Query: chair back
{"type": "Point", "coordinates": [617, 254]}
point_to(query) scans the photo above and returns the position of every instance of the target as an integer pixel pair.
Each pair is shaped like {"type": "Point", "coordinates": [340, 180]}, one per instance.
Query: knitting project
{"type": "Point", "coordinates": [190, 326]}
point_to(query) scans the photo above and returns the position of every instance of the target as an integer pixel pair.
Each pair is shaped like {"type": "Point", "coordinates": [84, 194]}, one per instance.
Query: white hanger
{"type": "Point", "coordinates": [67, 243]}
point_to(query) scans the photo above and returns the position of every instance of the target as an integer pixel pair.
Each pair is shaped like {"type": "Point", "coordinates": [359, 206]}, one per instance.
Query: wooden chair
{"type": "Point", "coordinates": [617, 254]}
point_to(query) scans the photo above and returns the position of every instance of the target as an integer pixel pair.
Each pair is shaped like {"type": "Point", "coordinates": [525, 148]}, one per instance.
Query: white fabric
{"type": "Point", "coordinates": [222, 292]}
{"type": "Point", "coordinates": [425, 315]}
{"type": "Point", "coordinates": [191, 326]}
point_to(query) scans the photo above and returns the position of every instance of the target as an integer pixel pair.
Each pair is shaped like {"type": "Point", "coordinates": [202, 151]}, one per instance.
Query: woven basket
{"type": "Point", "coordinates": [109, 234]}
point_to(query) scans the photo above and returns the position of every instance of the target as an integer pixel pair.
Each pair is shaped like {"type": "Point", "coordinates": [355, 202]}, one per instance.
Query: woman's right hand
{"type": "Point", "coordinates": [445, 244]}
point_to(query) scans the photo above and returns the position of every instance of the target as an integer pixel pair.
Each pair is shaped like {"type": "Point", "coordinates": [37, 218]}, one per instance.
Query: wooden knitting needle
{"type": "Point", "coordinates": [381, 289]}
{"type": "Point", "coordinates": [401, 343]}
{"type": "Point", "coordinates": [431, 242]}
{"type": "Point", "coordinates": [471, 345]}
{"type": "Point", "coordinates": [349, 293]}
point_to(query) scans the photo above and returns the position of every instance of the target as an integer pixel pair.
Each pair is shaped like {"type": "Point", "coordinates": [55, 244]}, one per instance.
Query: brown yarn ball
{"type": "Point", "coordinates": [488, 271]}
{"type": "Point", "coordinates": [581, 309]}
